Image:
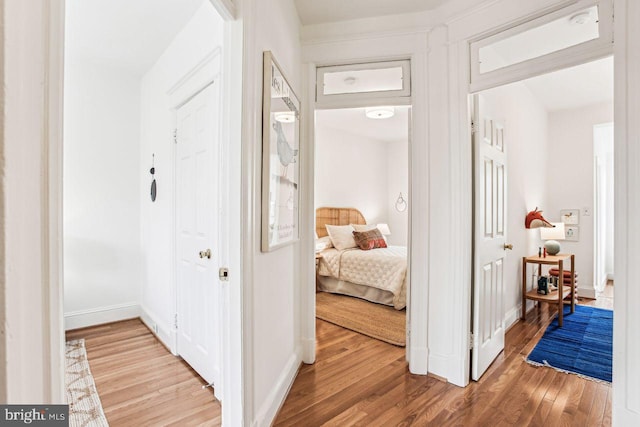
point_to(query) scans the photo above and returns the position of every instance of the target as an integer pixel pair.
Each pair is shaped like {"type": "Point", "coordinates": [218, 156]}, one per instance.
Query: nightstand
{"type": "Point", "coordinates": [555, 297]}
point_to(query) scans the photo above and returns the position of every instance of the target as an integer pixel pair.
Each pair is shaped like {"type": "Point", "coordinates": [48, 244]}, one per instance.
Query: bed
{"type": "Point", "coordinates": [376, 275]}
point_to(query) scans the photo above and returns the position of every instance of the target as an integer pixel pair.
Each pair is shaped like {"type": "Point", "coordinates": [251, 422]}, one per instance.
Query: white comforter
{"type": "Point", "coordinates": [383, 268]}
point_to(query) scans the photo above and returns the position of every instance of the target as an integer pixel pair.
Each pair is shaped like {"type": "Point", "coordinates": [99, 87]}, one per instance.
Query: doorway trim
{"type": "Point", "coordinates": [395, 47]}
{"type": "Point", "coordinates": [53, 25]}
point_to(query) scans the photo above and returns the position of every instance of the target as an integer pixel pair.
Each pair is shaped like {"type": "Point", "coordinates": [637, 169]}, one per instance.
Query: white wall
{"type": "Point", "coordinates": [351, 171]}
{"type": "Point", "coordinates": [101, 201]}
{"type": "Point", "coordinates": [571, 180]}
{"type": "Point", "coordinates": [271, 280]}
{"type": "Point", "coordinates": [525, 134]}
{"type": "Point", "coordinates": [397, 181]}
{"type": "Point", "coordinates": [199, 38]}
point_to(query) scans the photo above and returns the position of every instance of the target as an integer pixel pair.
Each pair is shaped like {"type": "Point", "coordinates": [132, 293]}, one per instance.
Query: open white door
{"type": "Point", "coordinates": [490, 181]}
{"type": "Point", "coordinates": [197, 184]}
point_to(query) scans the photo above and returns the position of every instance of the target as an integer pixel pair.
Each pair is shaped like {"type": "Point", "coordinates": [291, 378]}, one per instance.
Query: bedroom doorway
{"type": "Point", "coordinates": [557, 153]}
{"type": "Point", "coordinates": [362, 222]}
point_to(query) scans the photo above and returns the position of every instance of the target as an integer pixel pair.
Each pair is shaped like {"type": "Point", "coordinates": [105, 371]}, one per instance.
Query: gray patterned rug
{"type": "Point", "coordinates": [85, 409]}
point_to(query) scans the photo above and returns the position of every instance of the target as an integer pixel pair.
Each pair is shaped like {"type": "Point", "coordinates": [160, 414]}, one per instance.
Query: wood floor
{"type": "Point", "coordinates": [140, 383]}
{"type": "Point", "coordinates": [359, 381]}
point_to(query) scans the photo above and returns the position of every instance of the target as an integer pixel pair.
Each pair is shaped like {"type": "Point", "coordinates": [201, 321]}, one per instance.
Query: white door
{"type": "Point", "coordinates": [197, 183]}
{"type": "Point", "coordinates": [490, 181]}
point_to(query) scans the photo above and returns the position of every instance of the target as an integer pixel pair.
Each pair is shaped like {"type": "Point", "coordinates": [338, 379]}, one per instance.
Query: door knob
{"type": "Point", "coordinates": [508, 246]}
{"type": "Point", "coordinates": [205, 254]}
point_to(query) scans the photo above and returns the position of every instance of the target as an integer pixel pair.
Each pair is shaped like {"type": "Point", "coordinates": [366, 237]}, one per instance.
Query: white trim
{"type": "Point", "coordinates": [574, 55]}
{"type": "Point", "coordinates": [626, 370]}
{"type": "Point", "coordinates": [233, 355]}
{"type": "Point", "coordinates": [54, 328]}
{"type": "Point", "coordinates": [321, 98]}
{"type": "Point", "coordinates": [610, 276]}
{"type": "Point", "coordinates": [587, 292]}
{"type": "Point", "coordinates": [266, 414]}
{"type": "Point", "coordinates": [378, 49]}
{"type": "Point", "coordinates": [99, 315]}
{"type": "Point", "coordinates": [226, 9]}
{"type": "Point", "coordinates": [165, 333]}
{"type": "Point", "coordinates": [307, 223]}
{"type": "Point", "coordinates": [512, 317]}
{"type": "Point", "coordinates": [496, 15]}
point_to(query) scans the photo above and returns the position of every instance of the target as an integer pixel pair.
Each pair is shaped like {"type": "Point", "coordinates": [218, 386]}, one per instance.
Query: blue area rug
{"type": "Point", "coordinates": [583, 346]}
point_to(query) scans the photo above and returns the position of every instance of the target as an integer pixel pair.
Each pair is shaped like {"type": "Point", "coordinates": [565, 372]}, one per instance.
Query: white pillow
{"type": "Point", "coordinates": [323, 243]}
{"type": "Point", "coordinates": [363, 227]}
{"type": "Point", "coordinates": [341, 236]}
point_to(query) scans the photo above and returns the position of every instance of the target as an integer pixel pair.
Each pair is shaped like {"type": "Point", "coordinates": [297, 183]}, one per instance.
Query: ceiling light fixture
{"type": "Point", "coordinates": [580, 18]}
{"type": "Point", "coordinates": [379, 112]}
{"type": "Point", "coordinates": [349, 81]}
{"type": "Point", "coordinates": [285, 116]}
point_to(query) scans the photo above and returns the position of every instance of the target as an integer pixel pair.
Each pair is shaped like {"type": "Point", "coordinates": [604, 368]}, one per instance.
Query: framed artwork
{"type": "Point", "coordinates": [280, 158]}
{"type": "Point", "coordinates": [572, 233]}
{"type": "Point", "coordinates": [570, 216]}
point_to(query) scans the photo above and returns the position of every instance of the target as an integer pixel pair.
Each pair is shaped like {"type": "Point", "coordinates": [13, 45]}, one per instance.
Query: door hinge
{"type": "Point", "coordinates": [470, 343]}
{"type": "Point", "coordinates": [175, 136]}
{"type": "Point", "coordinates": [474, 128]}
{"type": "Point", "coordinates": [175, 321]}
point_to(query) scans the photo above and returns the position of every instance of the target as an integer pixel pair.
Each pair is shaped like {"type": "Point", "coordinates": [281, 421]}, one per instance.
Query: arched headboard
{"type": "Point", "coordinates": [336, 216]}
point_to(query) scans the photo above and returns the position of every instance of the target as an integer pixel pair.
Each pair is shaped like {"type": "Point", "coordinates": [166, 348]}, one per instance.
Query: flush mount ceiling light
{"type": "Point", "coordinates": [379, 112]}
{"type": "Point", "coordinates": [349, 81]}
{"type": "Point", "coordinates": [285, 116]}
{"type": "Point", "coordinates": [580, 18]}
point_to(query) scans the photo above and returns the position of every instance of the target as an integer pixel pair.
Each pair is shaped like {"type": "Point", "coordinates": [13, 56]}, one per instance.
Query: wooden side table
{"type": "Point", "coordinates": [555, 297]}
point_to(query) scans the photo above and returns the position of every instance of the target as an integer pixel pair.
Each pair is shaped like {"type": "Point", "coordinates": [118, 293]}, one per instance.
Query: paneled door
{"type": "Point", "coordinates": [197, 188]}
{"type": "Point", "coordinates": [490, 181]}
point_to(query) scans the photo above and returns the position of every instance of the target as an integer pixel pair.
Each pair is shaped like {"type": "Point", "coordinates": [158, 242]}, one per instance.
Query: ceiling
{"type": "Point", "coordinates": [127, 34]}
{"type": "Point", "coordinates": [322, 11]}
{"type": "Point", "coordinates": [575, 87]}
{"type": "Point", "coordinates": [354, 121]}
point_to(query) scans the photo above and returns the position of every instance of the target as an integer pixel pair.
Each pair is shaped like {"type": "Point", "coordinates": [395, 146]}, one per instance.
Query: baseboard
{"type": "Point", "coordinates": [418, 362]}
{"type": "Point", "coordinates": [160, 329]}
{"type": "Point", "coordinates": [269, 409]}
{"type": "Point", "coordinates": [449, 368]}
{"type": "Point", "coordinates": [512, 316]}
{"type": "Point", "coordinates": [610, 276]}
{"type": "Point", "coordinates": [586, 293]}
{"type": "Point", "coordinates": [309, 350]}
{"type": "Point", "coordinates": [98, 316]}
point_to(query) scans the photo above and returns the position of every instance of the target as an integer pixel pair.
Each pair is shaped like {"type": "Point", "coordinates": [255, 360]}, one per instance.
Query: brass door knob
{"type": "Point", "coordinates": [508, 246]}
{"type": "Point", "coordinates": [205, 254]}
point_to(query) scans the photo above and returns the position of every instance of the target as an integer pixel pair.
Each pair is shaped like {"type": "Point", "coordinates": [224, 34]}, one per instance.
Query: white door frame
{"type": "Point", "coordinates": [52, 306]}
{"type": "Point", "coordinates": [405, 46]}
{"type": "Point", "coordinates": [626, 387]}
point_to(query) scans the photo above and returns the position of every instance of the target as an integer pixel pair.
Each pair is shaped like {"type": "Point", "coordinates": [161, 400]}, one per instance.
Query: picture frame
{"type": "Point", "coordinates": [570, 216]}
{"type": "Point", "coordinates": [280, 158]}
{"type": "Point", "coordinates": [572, 233]}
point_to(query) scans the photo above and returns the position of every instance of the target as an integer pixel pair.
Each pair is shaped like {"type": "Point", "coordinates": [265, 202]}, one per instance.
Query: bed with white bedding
{"type": "Point", "coordinates": [377, 275]}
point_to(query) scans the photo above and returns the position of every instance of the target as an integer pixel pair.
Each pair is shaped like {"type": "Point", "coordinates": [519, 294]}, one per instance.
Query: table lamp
{"type": "Point", "coordinates": [551, 235]}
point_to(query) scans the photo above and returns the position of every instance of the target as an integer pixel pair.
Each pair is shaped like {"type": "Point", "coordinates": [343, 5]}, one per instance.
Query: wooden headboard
{"type": "Point", "coordinates": [336, 216]}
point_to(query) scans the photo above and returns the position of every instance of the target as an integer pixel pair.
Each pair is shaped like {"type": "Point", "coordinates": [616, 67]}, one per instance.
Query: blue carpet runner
{"type": "Point", "coordinates": [583, 346]}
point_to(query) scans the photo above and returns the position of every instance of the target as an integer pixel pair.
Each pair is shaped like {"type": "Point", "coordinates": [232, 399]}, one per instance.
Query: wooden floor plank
{"type": "Point", "coordinates": [383, 393]}
{"type": "Point", "coordinates": [140, 383]}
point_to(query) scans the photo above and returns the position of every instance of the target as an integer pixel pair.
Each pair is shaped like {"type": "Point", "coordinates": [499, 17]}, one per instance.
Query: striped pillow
{"type": "Point", "coordinates": [371, 239]}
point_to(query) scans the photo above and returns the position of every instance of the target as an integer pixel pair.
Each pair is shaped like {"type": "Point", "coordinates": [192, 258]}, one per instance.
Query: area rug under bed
{"type": "Point", "coordinates": [374, 320]}
{"type": "Point", "coordinates": [583, 346]}
{"type": "Point", "coordinates": [85, 408]}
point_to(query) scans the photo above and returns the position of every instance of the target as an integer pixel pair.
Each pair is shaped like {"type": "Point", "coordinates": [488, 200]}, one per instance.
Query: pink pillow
{"type": "Point", "coordinates": [371, 239]}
